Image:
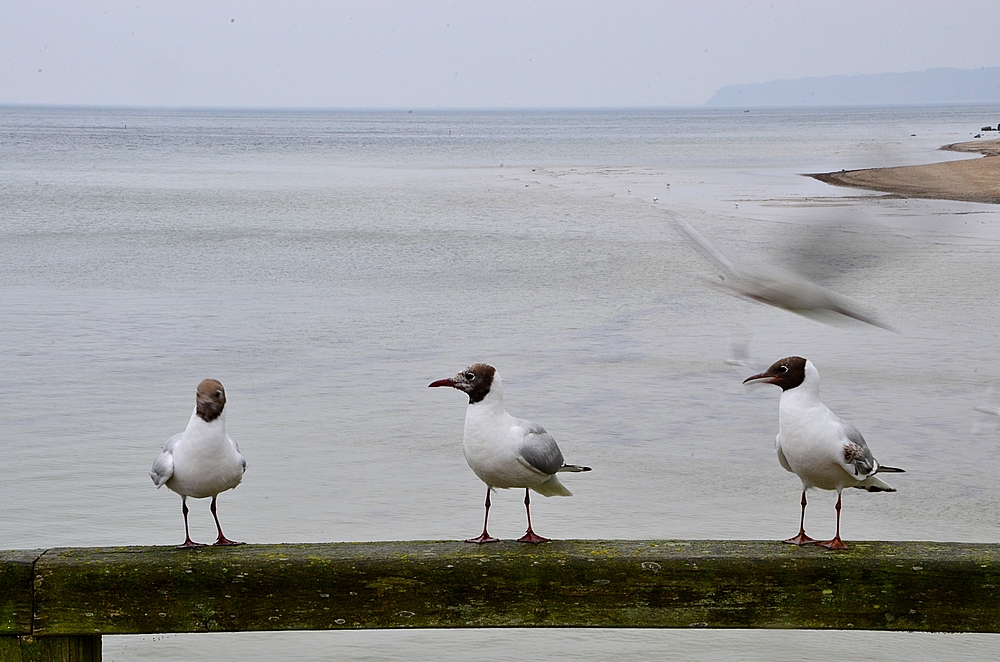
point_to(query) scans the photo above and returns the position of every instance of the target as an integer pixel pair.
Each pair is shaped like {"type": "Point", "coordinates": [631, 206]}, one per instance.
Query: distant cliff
{"type": "Point", "coordinates": [932, 86]}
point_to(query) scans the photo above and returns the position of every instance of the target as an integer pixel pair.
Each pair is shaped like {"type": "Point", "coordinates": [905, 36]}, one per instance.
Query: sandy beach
{"type": "Point", "coordinates": [974, 180]}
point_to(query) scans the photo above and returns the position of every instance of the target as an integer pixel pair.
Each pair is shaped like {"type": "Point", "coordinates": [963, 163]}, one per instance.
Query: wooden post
{"type": "Point", "coordinates": [86, 648]}
{"type": "Point", "coordinates": [16, 575]}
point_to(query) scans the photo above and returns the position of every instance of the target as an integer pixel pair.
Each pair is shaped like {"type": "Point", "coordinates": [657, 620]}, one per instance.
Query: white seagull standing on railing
{"type": "Point", "coordinates": [505, 451]}
{"type": "Point", "coordinates": [203, 460]}
{"type": "Point", "coordinates": [815, 444]}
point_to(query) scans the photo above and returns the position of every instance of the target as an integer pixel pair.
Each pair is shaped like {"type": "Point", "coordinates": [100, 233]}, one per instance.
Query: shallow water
{"type": "Point", "coordinates": [327, 266]}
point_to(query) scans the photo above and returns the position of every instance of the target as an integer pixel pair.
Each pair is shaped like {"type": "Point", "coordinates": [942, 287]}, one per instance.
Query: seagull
{"type": "Point", "coordinates": [815, 444]}
{"type": "Point", "coordinates": [987, 423]}
{"type": "Point", "coordinates": [505, 451]}
{"type": "Point", "coordinates": [776, 287]}
{"type": "Point", "coordinates": [203, 460]}
{"type": "Point", "coordinates": [739, 352]}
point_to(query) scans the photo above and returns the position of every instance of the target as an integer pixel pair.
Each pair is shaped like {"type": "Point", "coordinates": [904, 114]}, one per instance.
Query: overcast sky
{"type": "Point", "coordinates": [376, 54]}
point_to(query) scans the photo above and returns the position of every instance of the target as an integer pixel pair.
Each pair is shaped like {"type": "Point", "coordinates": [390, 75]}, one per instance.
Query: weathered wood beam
{"type": "Point", "coordinates": [723, 584]}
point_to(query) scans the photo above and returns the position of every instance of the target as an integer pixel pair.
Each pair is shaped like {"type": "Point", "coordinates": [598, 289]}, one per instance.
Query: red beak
{"type": "Point", "coordinates": [762, 375]}
{"type": "Point", "coordinates": [442, 382]}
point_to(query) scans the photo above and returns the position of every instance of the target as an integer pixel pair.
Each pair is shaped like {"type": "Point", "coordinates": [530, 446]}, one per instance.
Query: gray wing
{"type": "Point", "coordinates": [858, 458]}
{"type": "Point", "coordinates": [539, 449]}
{"type": "Point", "coordinates": [163, 465]}
{"type": "Point", "coordinates": [705, 248]}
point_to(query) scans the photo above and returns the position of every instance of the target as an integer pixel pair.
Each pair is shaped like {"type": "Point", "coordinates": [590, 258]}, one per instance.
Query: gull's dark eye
{"type": "Point", "coordinates": [218, 394]}
{"type": "Point", "coordinates": [470, 376]}
{"type": "Point", "coordinates": [783, 368]}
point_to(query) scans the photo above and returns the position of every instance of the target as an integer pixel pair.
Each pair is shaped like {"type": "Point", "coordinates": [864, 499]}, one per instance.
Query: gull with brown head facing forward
{"type": "Point", "coordinates": [203, 460]}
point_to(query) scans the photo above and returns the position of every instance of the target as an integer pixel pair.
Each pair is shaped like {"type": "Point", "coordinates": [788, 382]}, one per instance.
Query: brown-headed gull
{"type": "Point", "coordinates": [203, 460]}
{"type": "Point", "coordinates": [505, 451]}
{"type": "Point", "coordinates": [815, 444]}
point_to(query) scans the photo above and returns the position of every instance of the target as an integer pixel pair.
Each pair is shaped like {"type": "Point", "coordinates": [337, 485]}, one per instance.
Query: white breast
{"type": "Point", "coordinates": [206, 460]}
{"type": "Point", "coordinates": [811, 439]}
{"type": "Point", "coordinates": [491, 444]}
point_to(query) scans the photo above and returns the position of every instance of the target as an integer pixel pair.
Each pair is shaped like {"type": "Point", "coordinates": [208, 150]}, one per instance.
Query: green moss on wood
{"type": "Point", "coordinates": [723, 584]}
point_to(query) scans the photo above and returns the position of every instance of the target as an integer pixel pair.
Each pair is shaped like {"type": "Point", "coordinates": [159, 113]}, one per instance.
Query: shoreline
{"type": "Point", "coordinates": [972, 180]}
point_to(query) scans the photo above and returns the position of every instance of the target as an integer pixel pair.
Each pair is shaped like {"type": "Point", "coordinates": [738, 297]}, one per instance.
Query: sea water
{"type": "Point", "coordinates": [327, 266]}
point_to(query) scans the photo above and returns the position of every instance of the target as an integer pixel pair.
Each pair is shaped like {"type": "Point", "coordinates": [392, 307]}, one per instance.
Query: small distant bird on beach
{"type": "Point", "coordinates": [815, 444]}
{"type": "Point", "coordinates": [505, 451]}
{"type": "Point", "coordinates": [203, 460]}
{"type": "Point", "coordinates": [777, 288]}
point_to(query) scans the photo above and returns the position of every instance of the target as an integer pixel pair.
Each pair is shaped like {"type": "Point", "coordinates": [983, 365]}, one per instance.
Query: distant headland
{"type": "Point", "coordinates": [933, 86]}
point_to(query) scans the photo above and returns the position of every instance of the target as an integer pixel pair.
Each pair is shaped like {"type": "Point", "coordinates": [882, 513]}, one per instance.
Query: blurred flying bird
{"type": "Point", "coordinates": [739, 353]}
{"type": "Point", "coordinates": [991, 421]}
{"type": "Point", "coordinates": [776, 287]}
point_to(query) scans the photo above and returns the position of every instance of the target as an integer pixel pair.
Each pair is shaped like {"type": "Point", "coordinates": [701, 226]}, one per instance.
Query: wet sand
{"type": "Point", "coordinates": [973, 180]}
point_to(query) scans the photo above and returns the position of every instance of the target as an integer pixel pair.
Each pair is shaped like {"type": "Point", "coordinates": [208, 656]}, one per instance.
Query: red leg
{"type": "Point", "coordinates": [223, 540]}
{"type": "Point", "coordinates": [530, 536]}
{"type": "Point", "coordinates": [188, 543]}
{"type": "Point", "coordinates": [485, 536]}
{"type": "Point", "coordinates": [836, 543]}
{"type": "Point", "coordinates": [802, 538]}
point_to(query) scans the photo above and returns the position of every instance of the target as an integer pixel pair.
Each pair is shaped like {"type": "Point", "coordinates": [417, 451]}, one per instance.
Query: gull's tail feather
{"type": "Point", "coordinates": [882, 469]}
{"type": "Point", "coordinates": [552, 487]}
{"type": "Point", "coordinates": [576, 468]}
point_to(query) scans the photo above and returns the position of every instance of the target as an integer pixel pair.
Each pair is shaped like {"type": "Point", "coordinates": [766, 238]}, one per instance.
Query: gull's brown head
{"type": "Point", "coordinates": [787, 373]}
{"type": "Point", "coordinates": [211, 400]}
{"type": "Point", "coordinates": [476, 381]}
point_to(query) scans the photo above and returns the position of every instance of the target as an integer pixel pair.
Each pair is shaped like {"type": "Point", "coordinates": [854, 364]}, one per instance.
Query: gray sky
{"type": "Point", "coordinates": [589, 53]}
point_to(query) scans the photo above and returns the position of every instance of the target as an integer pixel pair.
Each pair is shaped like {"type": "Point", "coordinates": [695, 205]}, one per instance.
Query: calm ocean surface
{"type": "Point", "coordinates": [327, 266]}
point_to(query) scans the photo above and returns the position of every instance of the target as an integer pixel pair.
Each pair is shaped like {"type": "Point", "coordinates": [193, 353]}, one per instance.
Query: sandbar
{"type": "Point", "coordinates": [971, 180]}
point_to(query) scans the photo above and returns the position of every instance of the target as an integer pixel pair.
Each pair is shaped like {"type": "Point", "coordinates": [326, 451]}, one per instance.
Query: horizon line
{"type": "Point", "coordinates": [423, 109]}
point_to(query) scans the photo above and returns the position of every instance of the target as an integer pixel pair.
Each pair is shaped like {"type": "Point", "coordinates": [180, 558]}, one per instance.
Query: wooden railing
{"type": "Point", "coordinates": [55, 604]}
